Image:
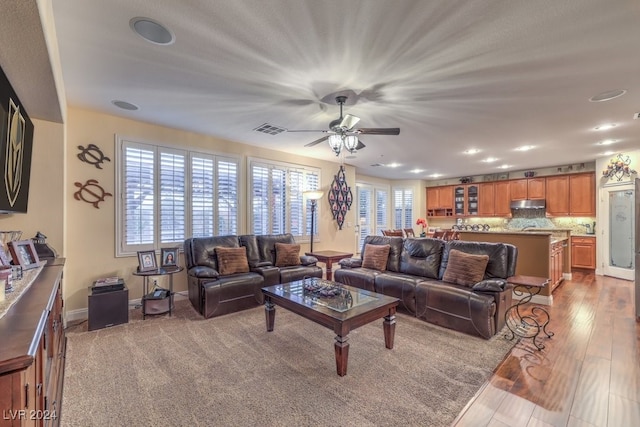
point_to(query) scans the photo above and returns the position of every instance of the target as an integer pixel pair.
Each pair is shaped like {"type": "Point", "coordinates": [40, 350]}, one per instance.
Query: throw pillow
{"type": "Point", "coordinates": [375, 256]}
{"type": "Point", "coordinates": [287, 254]}
{"type": "Point", "coordinates": [232, 260]}
{"type": "Point", "coordinates": [465, 269]}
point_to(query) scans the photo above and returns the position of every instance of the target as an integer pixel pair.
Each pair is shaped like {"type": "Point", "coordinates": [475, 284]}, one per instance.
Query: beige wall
{"type": "Point", "coordinates": [45, 210]}
{"type": "Point", "coordinates": [90, 245]}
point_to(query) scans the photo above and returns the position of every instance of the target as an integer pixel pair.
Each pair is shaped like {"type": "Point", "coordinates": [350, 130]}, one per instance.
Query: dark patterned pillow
{"type": "Point", "coordinates": [232, 260]}
{"type": "Point", "coordinates": [287, 254]}
{"type": "Point", "coordinates": [465, 269]}
{"type": "Point", "coordinates": [375, 256]}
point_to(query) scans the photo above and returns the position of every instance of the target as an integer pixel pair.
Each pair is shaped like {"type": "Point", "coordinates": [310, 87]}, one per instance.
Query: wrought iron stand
{"type": "Point", "coordinates": [527, 324]}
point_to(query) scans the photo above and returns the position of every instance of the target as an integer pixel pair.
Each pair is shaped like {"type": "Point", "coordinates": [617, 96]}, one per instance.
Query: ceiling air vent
{"type": "Point", "coordinates": [269, 129]}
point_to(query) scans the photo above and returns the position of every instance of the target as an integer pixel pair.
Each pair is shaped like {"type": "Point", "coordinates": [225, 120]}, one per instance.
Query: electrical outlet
{"type": "Point", "coordinates": [155, 283]}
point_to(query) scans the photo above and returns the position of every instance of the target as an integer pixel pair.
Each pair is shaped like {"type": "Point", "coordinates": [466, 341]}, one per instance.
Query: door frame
{"type": "Point", "coordinates": [603, 266]}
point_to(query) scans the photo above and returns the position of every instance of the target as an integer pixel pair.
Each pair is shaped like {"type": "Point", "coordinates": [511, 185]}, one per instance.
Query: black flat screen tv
{"type": "Point", "coordinates": [16, 144]}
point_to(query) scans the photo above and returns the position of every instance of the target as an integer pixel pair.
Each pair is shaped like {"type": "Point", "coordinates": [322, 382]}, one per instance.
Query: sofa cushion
{"type": "Point", "coordinates": [232, 260]}
{"type": "Point", "coordinates": [287, 254]}
{"type": "Point", "coordinates": [421, 257]}
{"type": "Point", "coordinates": [375, 257]}
{"type": "Point", "coordinates": [465, 269]}
{"type": "Point", "coordinates": [395, 249]}
{"type": "Point", "coordinates": [499, 258]}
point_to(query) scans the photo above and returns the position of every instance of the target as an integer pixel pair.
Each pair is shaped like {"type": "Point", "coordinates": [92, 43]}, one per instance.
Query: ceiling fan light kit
{"type": "Point", "coordinates": [342, 134]}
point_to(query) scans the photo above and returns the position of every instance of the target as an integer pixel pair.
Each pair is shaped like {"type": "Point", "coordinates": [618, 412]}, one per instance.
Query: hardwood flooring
{"type": "Point", "coordinates": [587, 375]}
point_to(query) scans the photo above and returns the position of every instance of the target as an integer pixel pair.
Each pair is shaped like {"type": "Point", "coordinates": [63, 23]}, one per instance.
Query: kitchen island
{"type": "Point", "coordinates": [541, 253]}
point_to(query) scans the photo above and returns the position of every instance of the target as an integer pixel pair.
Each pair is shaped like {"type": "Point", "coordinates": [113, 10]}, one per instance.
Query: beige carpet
{"type": "Point", "coordinates": [228, 371]}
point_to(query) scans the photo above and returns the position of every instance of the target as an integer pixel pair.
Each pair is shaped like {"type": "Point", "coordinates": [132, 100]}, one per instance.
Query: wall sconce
{"type": "Point", "coordinates": [313, 196]}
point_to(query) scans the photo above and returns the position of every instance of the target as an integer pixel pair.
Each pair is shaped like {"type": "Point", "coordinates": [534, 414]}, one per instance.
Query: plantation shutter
{"type": "Point", "coordinates": [382, 211]}
{"type": "Point", "coordinates": [260, 199]}
{"type": "Point", "coordinates": [227, 197]}
{"type": "Point", "coordinates": [172, 197]}
{"type": "Point", "coordinates": [202, 196]}
{"type": "Point", "coordinates": [365, 196]}
{"type": "Point", "coordinates": [312, 182]}
{"type": "Point", "coordinates": [139, 202]}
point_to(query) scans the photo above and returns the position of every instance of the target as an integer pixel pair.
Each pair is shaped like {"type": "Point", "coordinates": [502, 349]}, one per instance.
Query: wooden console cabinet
{"type": "Point", "coordinates": [32, 353]}
{"type": "Point", "coordinates": [583, 252]}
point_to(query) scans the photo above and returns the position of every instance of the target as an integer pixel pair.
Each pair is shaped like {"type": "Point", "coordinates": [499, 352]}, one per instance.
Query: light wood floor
{"type": "Point", "coordinates": [588, 374]}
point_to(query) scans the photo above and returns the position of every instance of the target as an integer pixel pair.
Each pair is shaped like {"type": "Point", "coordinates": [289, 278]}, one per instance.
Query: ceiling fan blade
{"type": "Point", "coordinates": [317, 141]}
{"type": "Point", "coordinates": [306, 130]}
{"type": "Point", "coordinates": [349, 121]}
{"type": "Point", "coordinates": [360, 145]}
{"type": "Point", "coordinates": [379, 131]}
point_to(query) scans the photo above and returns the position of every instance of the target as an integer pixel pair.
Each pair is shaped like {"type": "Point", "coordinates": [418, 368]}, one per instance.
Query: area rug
{"type": "Point", "coordinates": [228, 371]}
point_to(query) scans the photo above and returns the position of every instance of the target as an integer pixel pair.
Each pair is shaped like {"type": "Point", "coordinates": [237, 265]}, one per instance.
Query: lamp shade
{"type": "Point", "coordinates": [350, 143]}
{"type": "Point", "coordinates": [335, 142]}
{"type": "Point", "coordinates": [313, 194]}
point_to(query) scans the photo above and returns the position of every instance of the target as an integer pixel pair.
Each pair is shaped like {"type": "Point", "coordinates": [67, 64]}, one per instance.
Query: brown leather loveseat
{"type": "Point", "coordinates": [414, 273]}
{"type": "Point", "coordinates": [225, 274]}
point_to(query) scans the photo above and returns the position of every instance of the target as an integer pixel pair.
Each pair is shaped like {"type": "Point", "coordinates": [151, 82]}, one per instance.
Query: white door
{"type": "Point", "coordinates": [373, 212]}
{"type": "Point", "coordinates": [618, 234]}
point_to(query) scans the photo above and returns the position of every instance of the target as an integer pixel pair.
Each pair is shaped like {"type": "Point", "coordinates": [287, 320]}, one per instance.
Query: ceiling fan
{"type": "Point", "coordinates": [341, 133]}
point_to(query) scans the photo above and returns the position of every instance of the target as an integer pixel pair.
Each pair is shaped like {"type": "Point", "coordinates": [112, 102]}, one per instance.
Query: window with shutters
{"type": "Point", "coordinates": [373, 211]}
{"type": "Point", "coordinates": [277, 203]}
{"type": "Point", "coordinates": [166, 195]}
{"type": "Point", "coordinates": [403, 208]}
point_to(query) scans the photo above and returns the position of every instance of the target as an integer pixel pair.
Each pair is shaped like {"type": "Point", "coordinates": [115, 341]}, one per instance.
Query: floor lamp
{"type": "Point", "coordinates": [313, 196]}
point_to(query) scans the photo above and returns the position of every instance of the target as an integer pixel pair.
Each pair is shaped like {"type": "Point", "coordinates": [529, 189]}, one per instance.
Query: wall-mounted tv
{"type": "Point", "coordinates": [16, 144]}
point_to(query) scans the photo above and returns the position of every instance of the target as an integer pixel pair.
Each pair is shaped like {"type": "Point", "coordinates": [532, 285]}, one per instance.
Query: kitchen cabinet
{"type": "Point", "coordinates": [527, 189]}
{"type": "Point", "coordinates": [440, 201]}
{"type": "Point", "coordinates": [486, 199]}
{"type": "Point", "coordinates": [583, 252]}
{"type": "Point", "coordinates": [557, 202]}
{"type": "Point", "coordinates": [556, 263]}
{"type": "Point", "coordinates": [465, 199]}
{"type": "Point", "coordinates": [582, 194]}
{"type": "Point", "coordinates": [502, 198]}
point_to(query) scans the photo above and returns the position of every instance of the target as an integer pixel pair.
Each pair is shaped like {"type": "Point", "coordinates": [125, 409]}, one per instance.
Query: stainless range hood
{"type": "Point", "coordinates": [527, 204]}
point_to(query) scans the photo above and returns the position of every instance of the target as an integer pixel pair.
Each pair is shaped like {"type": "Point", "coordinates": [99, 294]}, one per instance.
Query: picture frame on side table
{"type": "Point", "coordinates": [169, 258]}
{"type": "Point", "coordinates": [4, 258]}
{"type": "Point", "coordinates": [24, 254]}
{"type": "Point", "coordinates": [147, 261]}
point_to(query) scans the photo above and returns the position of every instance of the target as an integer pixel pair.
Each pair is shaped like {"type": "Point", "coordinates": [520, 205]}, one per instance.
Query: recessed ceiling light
{"type": "Point", "coordinates": [435, 175]}
{"type": "Point", "coordinates": [525, 148]}
{"type": "Point", "coordinates": [608, 142]}
{"type": "Point", "coordinates": [393, 165]}
{"type": "Point", "coordinates": [472, 151]}
{"type": "Point", "coordinates": [125, 105]}
{"type": "Point", "coordinates": [608, 95]}
{"type": "Point", "coordinates": [416, 170]}
{"type": "Point", "coordinates": [608, 153]}
{"type": "Point", "coordinates": [504, 166]}
{"type": "Point", "coordinates": [490, 160]}
{"type": "Point", "coordinates": [605, 126]}
{"type": "Point", "coordinates": [152, 31]}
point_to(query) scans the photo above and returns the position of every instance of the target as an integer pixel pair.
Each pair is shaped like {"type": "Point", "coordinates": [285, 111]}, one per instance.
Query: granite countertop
{"type": "Point", "coordinates": [583, 235]}
{"type": "Point", "coordinates": [520, 233]}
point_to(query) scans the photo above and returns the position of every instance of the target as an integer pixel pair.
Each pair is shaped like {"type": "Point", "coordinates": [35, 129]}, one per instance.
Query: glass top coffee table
{"type": "Point", "coordinates": [336, 306]}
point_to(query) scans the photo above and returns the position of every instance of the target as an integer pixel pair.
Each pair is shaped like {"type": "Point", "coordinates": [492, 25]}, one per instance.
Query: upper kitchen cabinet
{"type": "Point", "coordinates": [582, 194]}
{"type": "Point", "coordinates": [557, 195]}
{"type": "Point", "coordinates": [440, 201]}
{"type": "Point", "coordinates": [486, 199]}
{"type": "Point", "coordinates": [502, 195]}
{"type": "Point", "coordinates": [465, 199]}
{"type": "Point", "coordinates": [527, 189]}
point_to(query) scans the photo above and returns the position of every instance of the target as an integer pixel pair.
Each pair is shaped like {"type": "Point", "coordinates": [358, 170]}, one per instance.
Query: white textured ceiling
{"type": "Point", "coordinates": [452, 75]}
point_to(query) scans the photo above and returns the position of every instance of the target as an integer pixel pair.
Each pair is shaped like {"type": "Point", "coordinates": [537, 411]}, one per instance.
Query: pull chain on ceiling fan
{"type": "Point", "coordinates": [342, 133]}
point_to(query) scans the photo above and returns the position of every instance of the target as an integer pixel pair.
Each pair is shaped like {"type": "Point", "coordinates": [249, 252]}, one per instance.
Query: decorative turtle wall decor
{"type": "Point", "coordinates": [91, 192]}
{"type": "Point", "coordinates": [92, 155]}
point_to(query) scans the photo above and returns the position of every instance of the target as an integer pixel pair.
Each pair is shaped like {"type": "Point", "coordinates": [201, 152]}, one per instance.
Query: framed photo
{"type": "Point", "coordinates": [169, 258]}
{"type": "Point", "coordinates": [147, 261]}
{"type": "Point", "coordinates": [24, 254]}
{"type": "Point", "coordinates": [4, 258]}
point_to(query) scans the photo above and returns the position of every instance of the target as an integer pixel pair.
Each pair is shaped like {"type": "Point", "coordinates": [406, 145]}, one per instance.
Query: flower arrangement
{"type": "Point", "coordinates": [423, 223]}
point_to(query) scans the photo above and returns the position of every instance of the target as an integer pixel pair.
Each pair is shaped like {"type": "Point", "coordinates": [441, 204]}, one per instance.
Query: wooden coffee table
{"type": "Point", "coordinates": [336, 306]}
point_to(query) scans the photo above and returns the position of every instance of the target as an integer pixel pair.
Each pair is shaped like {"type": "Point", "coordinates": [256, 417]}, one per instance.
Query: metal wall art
{"type": "Point", "coordinates": [340, 197]}
{"type": "Point", "coordinates": [92, 155]}
{"type": "Point", "coordinates": [619, 168]}
{"type": "Point", "coordinates": [91, 192]}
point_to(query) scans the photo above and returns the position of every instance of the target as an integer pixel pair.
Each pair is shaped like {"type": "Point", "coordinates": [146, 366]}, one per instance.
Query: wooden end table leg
{"type": "Point", "coordinates": [269, 313]}
{"type": "Point", "coordinates": [342, 354]}
{"type": "Point", "coordinates": [329, 265]}
{"type": "Point", "coordinates": [389, 327]}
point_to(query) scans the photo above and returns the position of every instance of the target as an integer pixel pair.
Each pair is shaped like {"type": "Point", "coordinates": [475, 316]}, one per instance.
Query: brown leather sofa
{"type": "Point", "coordinates": [213, 294]}
{"type": "Point", "coordinates": [414, 273]}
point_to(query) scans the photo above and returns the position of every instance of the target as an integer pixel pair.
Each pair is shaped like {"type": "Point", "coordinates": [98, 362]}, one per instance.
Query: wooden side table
{"type": "Point", "coordinates": [527, 325]}
{"type": "Point", "coordinates": [329, 257]}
